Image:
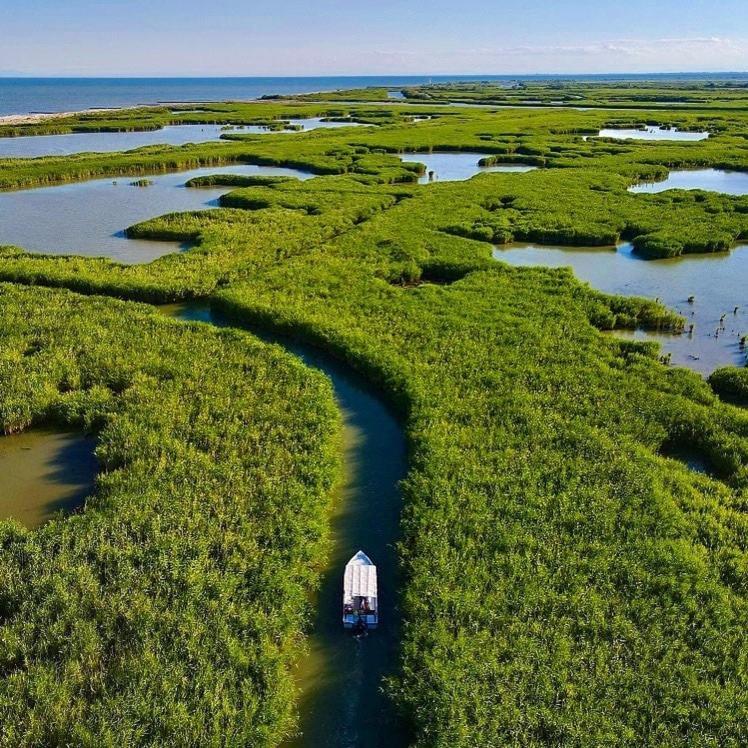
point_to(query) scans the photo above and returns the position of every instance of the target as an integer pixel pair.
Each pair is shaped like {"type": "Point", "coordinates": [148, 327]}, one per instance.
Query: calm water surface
{"type": "Point", "coordinates": [458, 166]}
{"type": "Point", "coordinates": [43, 472]}
{"type": "Point", "coordinates": [717, 281]}
{"type": "Point", "coordinates": [109, 142]}
{"type": "Point", "coordinates": [24, 95]}
{"type": "Point", "coordinates": [651, 133]}
{"type": "Point", "coordinates": [317, 123]}
{"type": "Point", "coordinates": [89, 218]}
{"type": "Point", "coordinates": [712, 180]}
{"type": "Point", "coordinates": [341, 705]}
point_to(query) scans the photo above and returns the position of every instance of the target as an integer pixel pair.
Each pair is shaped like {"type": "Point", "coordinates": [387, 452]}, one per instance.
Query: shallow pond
{"type": "Point", "coordinates": [42, 472]}
{"type": "Point", "coordinates": [457, 166]}
{"type": "Point", "coordinates": [317, 123]}
{"type": "Point", "coordinates": [716, 281]}
{"type": "Point", "coordinates": [712, 180]}
{"type": "Point", "coordinates": [341, 704]}
{"type": "Point", "coordinates": [651, 133]}
{"type": "Point", "coordinates": [109, 142]}
{"type": "Point", "coordinates": [89, 218]}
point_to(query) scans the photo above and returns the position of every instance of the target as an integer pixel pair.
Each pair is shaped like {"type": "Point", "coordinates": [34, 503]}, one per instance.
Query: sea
{"type": "Point", "coordinates": [31, 95]}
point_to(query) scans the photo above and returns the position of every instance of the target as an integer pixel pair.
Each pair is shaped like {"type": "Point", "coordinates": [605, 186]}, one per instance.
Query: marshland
{"type": "Point", "coordinates": [490, 378]}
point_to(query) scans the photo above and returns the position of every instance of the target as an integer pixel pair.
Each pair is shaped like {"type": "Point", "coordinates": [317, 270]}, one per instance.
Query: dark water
{"type": "Point", "coordinates": [458, 166]}
{"type": "Point", "coordinates": [690, 457]}
{"type": "Point", "coordinates": [712, 180]}
{"type": "Point", "coordinates": [341, 703]}
{"type": "Point", "coordinates": [652, 133]}
{"type": "Point", "coordinates": [89, 218]}
{"type": "Point", "coordinates": [716, 281]}
{"type": "Point", "coordinates": [43, 472]}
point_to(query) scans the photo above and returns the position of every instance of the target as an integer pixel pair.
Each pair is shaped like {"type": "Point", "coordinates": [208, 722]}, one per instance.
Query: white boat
{"type": "Point", "coordinates": [360, 608]}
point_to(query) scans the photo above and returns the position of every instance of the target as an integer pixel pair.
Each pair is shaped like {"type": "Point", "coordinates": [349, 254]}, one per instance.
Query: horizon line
{"type": "Point", "coordinates": [124, 76]}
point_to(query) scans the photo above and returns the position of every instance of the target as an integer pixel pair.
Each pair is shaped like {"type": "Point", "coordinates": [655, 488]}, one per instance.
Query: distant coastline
{"type": "Point", "coordinates": [54, 97]}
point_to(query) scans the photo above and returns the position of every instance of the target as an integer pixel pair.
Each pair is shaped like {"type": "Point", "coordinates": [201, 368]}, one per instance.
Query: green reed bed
{"type": "Point", "coordinates": [564, 581]}
{"type": "Point", "coordinates": [169, 611]}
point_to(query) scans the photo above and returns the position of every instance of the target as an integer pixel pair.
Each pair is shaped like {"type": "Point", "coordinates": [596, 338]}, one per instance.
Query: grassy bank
{"type": "Point", "coordinates": [167, 613]}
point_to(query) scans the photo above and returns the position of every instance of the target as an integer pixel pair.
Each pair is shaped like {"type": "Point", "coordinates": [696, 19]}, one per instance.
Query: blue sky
{"type": "Point", "coordinates": [318, 37]}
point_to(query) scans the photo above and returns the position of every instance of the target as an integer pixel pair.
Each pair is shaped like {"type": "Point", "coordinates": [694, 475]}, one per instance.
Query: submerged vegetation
{"type": "Point", "coordinates": [564, 583]}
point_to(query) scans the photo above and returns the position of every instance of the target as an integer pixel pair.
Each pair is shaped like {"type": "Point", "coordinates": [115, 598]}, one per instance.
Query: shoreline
{"type": "Point", "coordinates": [33, 118]}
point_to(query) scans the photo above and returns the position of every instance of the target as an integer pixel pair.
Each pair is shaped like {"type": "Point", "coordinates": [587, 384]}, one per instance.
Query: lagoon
{"type": "Point", "coordinates": [457, 166]}
{"type": "Point", "coordinates": [711, 180]}
{"type": "Point", "coordinates": [34, 146]}
{"type": "Point", "coordinates": [90, 218]}
{"type": "Point", "coordinates": [716, 281]}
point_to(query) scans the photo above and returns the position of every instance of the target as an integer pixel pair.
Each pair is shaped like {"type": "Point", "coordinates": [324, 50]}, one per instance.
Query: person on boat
{"type": "Point", "coordinates": [360, 628]}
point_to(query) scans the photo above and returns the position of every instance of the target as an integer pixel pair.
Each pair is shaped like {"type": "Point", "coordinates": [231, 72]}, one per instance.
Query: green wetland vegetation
{"type": "Point", "coordinates": [566, 576]}
{"type": "Point", "coordinates": [675, 94]}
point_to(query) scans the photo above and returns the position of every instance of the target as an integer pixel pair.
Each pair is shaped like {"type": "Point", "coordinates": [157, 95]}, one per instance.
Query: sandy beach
{"type": "Point", "coordinates": [32, 119]}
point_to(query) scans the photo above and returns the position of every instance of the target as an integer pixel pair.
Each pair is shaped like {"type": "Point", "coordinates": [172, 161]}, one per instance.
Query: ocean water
{"type": "Point", "coordinates": [26, 95]}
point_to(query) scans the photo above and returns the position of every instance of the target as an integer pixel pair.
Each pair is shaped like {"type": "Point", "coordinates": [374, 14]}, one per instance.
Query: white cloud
{"type": "Point", "coordinates": [634, 47]}
{"type": "Point", "coordinates": [605, 55]}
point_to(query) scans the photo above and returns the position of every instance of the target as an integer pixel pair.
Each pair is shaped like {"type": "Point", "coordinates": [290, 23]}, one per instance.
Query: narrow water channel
{"type": "Point", "coordinates": [342, 704]}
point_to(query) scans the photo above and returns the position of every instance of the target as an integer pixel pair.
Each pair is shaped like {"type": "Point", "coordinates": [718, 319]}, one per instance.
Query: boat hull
{"type": "Point", "coordinates": [350, 621]}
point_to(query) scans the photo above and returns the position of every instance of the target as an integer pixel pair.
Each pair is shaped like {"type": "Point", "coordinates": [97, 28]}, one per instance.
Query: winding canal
{"type": "Point", "coordinates": [342, 704]}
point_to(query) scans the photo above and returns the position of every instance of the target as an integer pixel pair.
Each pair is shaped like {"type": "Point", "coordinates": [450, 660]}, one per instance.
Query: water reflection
{"type": "Point", "coordinates": [317, 123]}
{"type": "Point", "coordinates": [715, 283]}
{"type": "Point", "coordinates": [651, 133]}
{"type": "Point", "coordinates": [43, 472]}
{"type": "Point", "coordinates": [458, 166]}
{"type": "Point", "coordinates": [89, 218]}
{"type": "Point", "coordinates": [712, 180]}
{"type": "Point", "coordinates": [109, 142]}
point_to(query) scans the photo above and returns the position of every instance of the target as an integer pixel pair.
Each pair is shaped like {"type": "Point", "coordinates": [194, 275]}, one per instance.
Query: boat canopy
{"type": "Point", "coordinates": [360, 578]}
